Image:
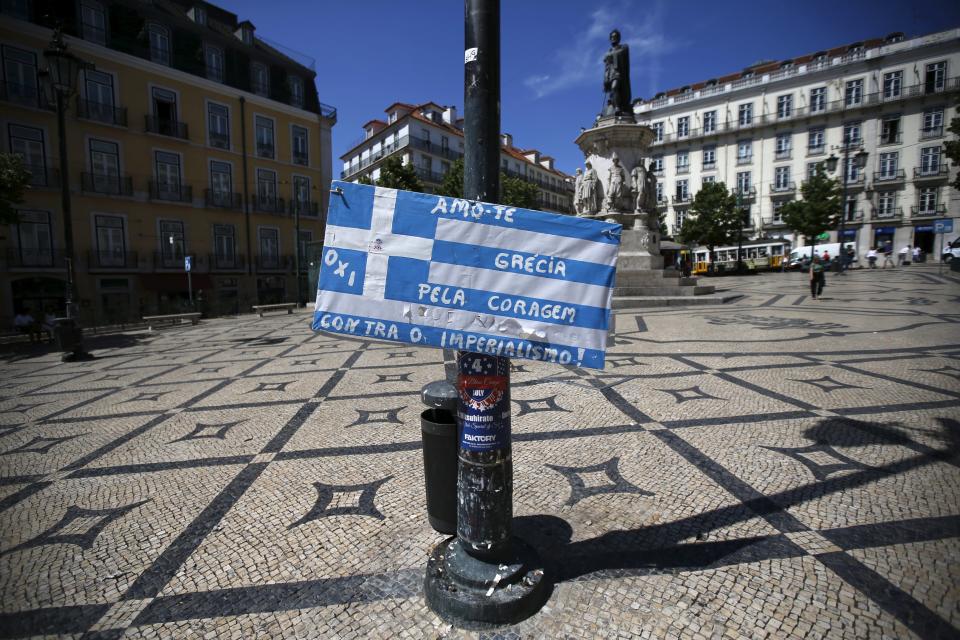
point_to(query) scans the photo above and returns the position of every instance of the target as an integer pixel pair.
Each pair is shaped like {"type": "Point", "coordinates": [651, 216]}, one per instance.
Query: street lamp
{"type": "Point", "coordinates": [860, 158]}
{"type": "Point", "coordinates": [60, 84]}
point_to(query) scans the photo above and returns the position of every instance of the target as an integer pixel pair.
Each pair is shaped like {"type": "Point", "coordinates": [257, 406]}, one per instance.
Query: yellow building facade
{"type": "Point", "coordinates": [188, 138]}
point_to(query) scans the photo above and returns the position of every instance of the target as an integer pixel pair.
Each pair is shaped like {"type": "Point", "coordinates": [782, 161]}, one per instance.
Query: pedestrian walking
{"type": "Point", "coordinates": [888, 255]}
{"type": "Point", "coordinates": [872, 257]}
{"type": "Point", "coordinates": [903, 257]}
{"type": "Point", "coordinates": [816, 277]}
{"type": "Point", "coordinates": [916, 254]}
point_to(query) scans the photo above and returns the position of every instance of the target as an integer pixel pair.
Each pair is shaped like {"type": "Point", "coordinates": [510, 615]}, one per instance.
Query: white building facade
{"type": "Point", "coordinates": [430, 137]}
{"type": "Point", "coordinates": [763, 131]}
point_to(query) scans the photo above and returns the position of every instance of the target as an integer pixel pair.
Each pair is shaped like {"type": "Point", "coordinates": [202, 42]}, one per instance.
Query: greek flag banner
{"type": "Point", "coordinates": [457, 274]}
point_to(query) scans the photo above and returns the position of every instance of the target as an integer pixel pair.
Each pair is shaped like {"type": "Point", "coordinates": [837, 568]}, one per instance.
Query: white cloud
{"type": "Point", "coordinates": [580, 63]}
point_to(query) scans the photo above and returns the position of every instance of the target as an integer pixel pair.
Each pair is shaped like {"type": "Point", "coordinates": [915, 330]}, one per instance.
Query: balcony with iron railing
{"type": "Point", "coordinates": [781, 188]}
{"type": "Point", "coordinates": [890, 213]}
{"type": "Point", "coordinates": [163, 260]}
{"type": "Point", "coordinates": [226, 262]}
{"type": "Point", "coordinates": [926, 133]}
{"type": "Point", "coordinates": [742, 160]}
{"type": "Point", "coordinates": [746, 193]}
{"type": "Point", "coordinates": [816, 149]}
{"type": "Point", "coordinates": [834, 106]}
{"type": "Point", "coordinates": [889, 176]}
{"type": "Point", "coordinates": [662, 202]}
{"type": "Point", "coordinates": [170, 192]}
{"type": "Point", "coordinates": [709, 166]}
{"type": "Point", "coordinates": [782, 154]}
{"type": "Point", "coordinates": [219, 140]}
{"type": "Point", "coordinates": [33, 258]}
{"type": "Point", "coordinates": [926, 211]}
{"type": "Point", "coordinates": [111, 260]}
{"type": "Point", "coordinates": [771, 223]}
{"type": "Point", "coordinates": [105, 184]}
{"type": "Point", "coordinates": [683, 169]}
{"type": "Point", "coordinates": [164, 127]}
{"type": "Point", "coordinates": [889, 138]}
{"type": "Point", "coordinates": [216, 199]}
{"type": "Point", "coordinates": [681, 199]}
{"type": "Point", "coordinates": [389, 149]}
{"type": "Point", "coordinates": [301, 159]}
{"type": "Point", "coordinates": [42, 176]}
{"type": "Point", "coordinates": [24, 95]}
{"type": "Point", "coordinates": [273, 263]}
{"type": "Point", "coordinates": [99, 112]}
{"type": "Point", "coordinates": [265, 150]}
{"type": "Point", "coordinates": [429, 176]}
{"type": "Point", "coordinates": [268, 204]}
{"type": "Point", "coordinates": [854, 182]}
{"type": "Point", "coordinates": [307, 208]}
{"type": "Point", "coordinates": [931, 172]}
{"type": "Point", "coordinates": [852, 217]}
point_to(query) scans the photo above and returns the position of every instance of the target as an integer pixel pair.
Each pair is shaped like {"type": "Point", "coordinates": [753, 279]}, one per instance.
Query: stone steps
{"type": "Point", "coordinates": [648, 302]}
{"type": "Point", "coordinates": [663, 290]}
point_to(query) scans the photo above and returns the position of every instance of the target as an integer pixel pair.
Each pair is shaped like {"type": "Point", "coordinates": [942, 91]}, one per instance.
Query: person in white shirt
{"type": "Point", "coordinates": [904, 256]}
{"type": "Point", "coordinates": [916, 254]}
{"type": "Point", "coordinates": [872, 257]}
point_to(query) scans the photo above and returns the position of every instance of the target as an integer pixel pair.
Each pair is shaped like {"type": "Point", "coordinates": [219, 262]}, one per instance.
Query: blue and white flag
{"type": "Point", "coordinates": [457, 274]}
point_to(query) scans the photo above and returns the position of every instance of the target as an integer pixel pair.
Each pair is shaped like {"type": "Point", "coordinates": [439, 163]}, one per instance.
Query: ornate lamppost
{"type": "Point", "coordinates": [60, 85]}
{"type": "Point", "coordinates": [861, 161]}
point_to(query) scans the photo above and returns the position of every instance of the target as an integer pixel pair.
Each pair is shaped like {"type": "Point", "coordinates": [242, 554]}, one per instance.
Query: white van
{"type": "Point", "coordinates": [801, 255]}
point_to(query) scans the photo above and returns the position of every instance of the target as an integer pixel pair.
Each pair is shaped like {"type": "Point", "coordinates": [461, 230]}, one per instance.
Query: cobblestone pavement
{"type": "Point", "coordinates": [776, 467]}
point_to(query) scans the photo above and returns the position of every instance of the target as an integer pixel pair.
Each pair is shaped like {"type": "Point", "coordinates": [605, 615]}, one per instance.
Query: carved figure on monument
{"type": "Point", "coordinates": [578, 191]}
{"type": "Point", "coordinates": [616, 78]}
{"type": "Point", "coordinates": [650, 191]}
{"type": "Point", "coordinates": [616, 181]}
{"type": "Point", "coordinates": [590, 192]}
{"type": "Point", "coordinates": [638, 185]}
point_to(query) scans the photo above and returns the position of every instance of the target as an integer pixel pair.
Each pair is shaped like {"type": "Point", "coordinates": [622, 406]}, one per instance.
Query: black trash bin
{"type": "Point", "coordinates": [438, 426]}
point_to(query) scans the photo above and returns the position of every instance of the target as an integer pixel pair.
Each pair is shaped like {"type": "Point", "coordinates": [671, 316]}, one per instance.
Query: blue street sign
{"type": "Point", "coordinates": [450, 273]}
{"type": "Point", "coordinates": [186, 263]}
{"type": "Point", "coordinates": [944, 225]}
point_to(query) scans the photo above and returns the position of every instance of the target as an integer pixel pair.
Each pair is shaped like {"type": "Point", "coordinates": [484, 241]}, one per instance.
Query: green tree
{"type": "Point", "coordinates": [396, 175]}
{"type": "Point", "coordinates": [953, 146]}
{"type": "Point", "coordinates": [14, 179]}
{"type": "Point", "coordinates": [452, 183]}
{"type": "Point", "coordinates": [365, 179]}
{"type": "Point", "coordinates": [514, 192]}
{"type": "Point", "coordinates": [818, 211]}
{"type": "Point", "coordinates": [714, 220]}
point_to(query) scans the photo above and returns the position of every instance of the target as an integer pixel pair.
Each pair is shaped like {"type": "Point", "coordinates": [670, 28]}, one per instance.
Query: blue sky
{"type": "Point", "coordinates": [371, 53]}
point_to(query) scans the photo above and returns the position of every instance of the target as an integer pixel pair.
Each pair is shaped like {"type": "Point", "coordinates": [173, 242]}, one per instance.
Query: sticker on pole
{"type": "Point", "coordinates": [484, 390]}
{"type": "Point", "coordinates": [444, 272]}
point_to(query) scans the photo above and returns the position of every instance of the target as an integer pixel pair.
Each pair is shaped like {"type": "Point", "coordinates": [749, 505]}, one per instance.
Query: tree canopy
{"type": "Point", "coordinates": [396, 175]}
{"type": "Point", "coordinates": [713, 220]}
{"type": "Point", "coordinates": [514, 192]}
{"type": "Point", "coordinates": [818, 211]}
{"type": "Point", "coordinates": [953, 146]}
{"type": "Point", "coordinates": [14, 180]}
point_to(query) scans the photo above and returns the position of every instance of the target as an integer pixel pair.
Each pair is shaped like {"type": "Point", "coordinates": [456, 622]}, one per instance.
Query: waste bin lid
{"type": "Point", "coordinates": [440, 394]}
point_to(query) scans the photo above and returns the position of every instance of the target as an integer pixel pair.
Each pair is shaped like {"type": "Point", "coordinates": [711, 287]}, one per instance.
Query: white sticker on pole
{"type": "Point", "coordinates": [470, 55]}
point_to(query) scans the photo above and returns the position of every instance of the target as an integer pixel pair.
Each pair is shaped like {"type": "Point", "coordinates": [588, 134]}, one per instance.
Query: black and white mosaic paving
{"type": "Point", "coordinates": [777, 467]}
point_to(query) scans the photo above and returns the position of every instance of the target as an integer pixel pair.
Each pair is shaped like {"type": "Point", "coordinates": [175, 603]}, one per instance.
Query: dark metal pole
{"type": "Point", "coordinates": [485, 477]}
{"type": "Point", "coordinates": [739, 231]}
{"type": "Point", "coordinates": [65, 201]}
{"type": "Point", "coordinates": [843, 206]}
{"type": "Point", "coordinates": [296, 250]}
{"type": "Point", "coordinates": [246, 186]}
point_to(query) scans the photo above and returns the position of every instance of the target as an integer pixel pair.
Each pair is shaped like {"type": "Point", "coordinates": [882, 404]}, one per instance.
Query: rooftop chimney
{"type": "Point", "coordinates": [450, 115]}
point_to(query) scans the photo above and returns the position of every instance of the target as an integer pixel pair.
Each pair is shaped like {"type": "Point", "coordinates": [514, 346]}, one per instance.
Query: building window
{"type": "Point", "coordinates": [99, 91]}
{"type": "Point", "coordinates": [853, 95]}
{"type": "Point", "coordinates": [214, 59]}
{"type": "Point", "coordinates": [745, 114]}
{"type": "Point", "coordinates": [930, 160]}
{"type": "Point", "coordinates": [813, 168]}
{"type": "Point", "coordinates": [709, 121]}
{"type": "Point", "coordinates": [936, 76]}
{"type": "Point", "coordinates": [159, 37]}
{"type": "Point", "coordinates": [657, 131]}
{"type": "Point", "coordinates": [784, 144]}
{"type": "Point", "coordinates": [778, 210]}
{"type": "Point", "coordinates": [660, 197]}
{"type": "Point", "coordinates": [892, 84]}
{"type": "Point", "coordinates": [111, 244]}
{"type": "Point", "coordinates": [683, 126]}
{"type": "Point", "coordinates": [199, 14]}
{"type": "Point", "coordinates": [785, 106]}
{"type": "Point", "coordinates": [221, 183]}
{"type": "Point", "coordinates": [168, 175]}
{"type": "Point", "coordinates": [218, 125]}
{"type": "Point", "coordinates": [709, 157]}
{"type": "Point", "coordinates": [225, 246]}
{"type": "Point", "coordinates": [681, 218]}
{"type": "Point", "coordinates": [815, 140]}
{"type": "Point", "coordinates": [27, 142]}
{"type": "Point", "coordinates": [886, 203]}
{"type": "Point", "coordinates": [656, 164]}
{"type": "Point", "coordinates": [709, 179]}
{"type": "Point", "coordinates": [172, 243]}
{"type": "Point", "coordinates": [296, 90]}
{"type": "Point", "coordinates": [269, 247]}
{"type": "Point", "coordinates": [265, 139]}
{"type": "Point", "coordinates": [683, 162]}
{"type": "Point", "coordinates": [306, 237]}
{"type": "Point", "coordinates": [851, 133]}
{"type": "Point", "coordinates": [890, 130]}
{"type": "Point", "coordinates": [932, 123]}
{"type": "Point", "coordinates": [744, 151]}
{"type": "Point", "coordinates": [267, 188]}
{"type": "Point", "coordinates": [818, 99]}
{"type": "Point", "coordinates": [93, 22]}
{"type": "Point", "coordinates": [164, 112]}
{"type": "Point", "coordinates": [300, 143]}
{"type": "Point", "coordinates": [888, 165]}
{"type": "Point", "coordinates": [743, 182]}
{"type": "Point", "coordinates": [20, 76]}
{"type": "Point", "coordinates": [301, 194]}
{"type": "Point", "coordinates": [682, 191]}
{"type": "Point", "coordinates": [260, 79]}
{"type": "Point", "coordinates": [105, 166]}
{"type": "Point", "coordinates": [852, 171]}
{"type": "Point", "coordinates": [928, 200]}
{"type": "Point", "coordinates": [34, 238]}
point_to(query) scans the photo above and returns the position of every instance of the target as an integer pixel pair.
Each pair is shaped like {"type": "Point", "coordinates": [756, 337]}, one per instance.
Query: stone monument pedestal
{"type": "Point", "coordinates": [613, 145]}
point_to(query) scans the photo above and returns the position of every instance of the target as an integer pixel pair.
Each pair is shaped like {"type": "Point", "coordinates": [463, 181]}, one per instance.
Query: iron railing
{"type": "Point", "coordinates": [937, 210]}
{"type": "Point", "coordinates": [268, 205]}
{"type": "Point", "coordinates": [164, 127]}
{"type": "Point", "coordinates": [106, 184]}
{"type": "Point", "coordinates": [214, 199]}
{"type": "Point", "coordinates": [170, 192]}
{"type": "Point", "coordinates": [934, 172]}
{"type": "Point", "coordinates": [23, 258]}
{"type": "Point", "coordinates": [897, 175]}
{"type": "Point", "coordinates": [105, 113]}
{"type": "Point", "coordinates": [108, 259]}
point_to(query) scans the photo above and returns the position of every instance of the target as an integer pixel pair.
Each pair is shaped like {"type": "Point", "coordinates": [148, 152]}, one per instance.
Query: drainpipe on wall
{"type": "Point", "coordinates": [246, 183]}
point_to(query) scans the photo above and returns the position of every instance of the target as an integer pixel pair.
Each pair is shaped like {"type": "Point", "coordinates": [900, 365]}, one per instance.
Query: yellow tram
{"type": "Point", "coordinates": [760, 255]}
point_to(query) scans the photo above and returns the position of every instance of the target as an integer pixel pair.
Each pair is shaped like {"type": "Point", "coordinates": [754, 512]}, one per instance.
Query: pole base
{"type": "Point", "coordinates": [76, 356]}
{"type": "Point", "coordinates": [475, 594]}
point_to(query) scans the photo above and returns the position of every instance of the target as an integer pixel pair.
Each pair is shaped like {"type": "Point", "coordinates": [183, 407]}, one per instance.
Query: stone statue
{"type": "Point", "coordinates": [590, 192]}
{"type": "Point", "coordinates": [578, 191]}
{"type": "Point", "coordinates": [638, 185]}
{"type": "Point", "coordinates": [616, 78]}
{"type": "Point", "coordinates": [650, 191]}
{"type": "Point", "coordinates": [616, 183]}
